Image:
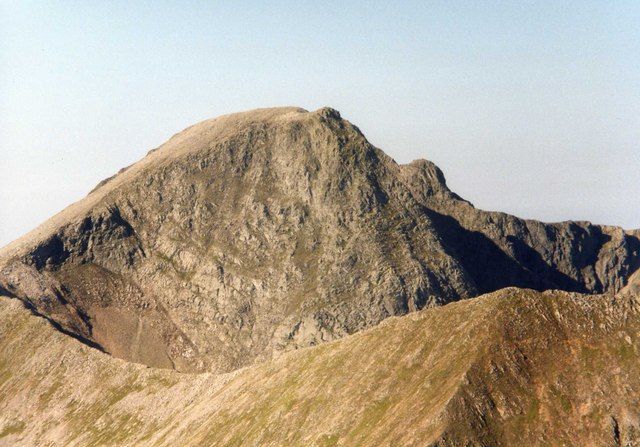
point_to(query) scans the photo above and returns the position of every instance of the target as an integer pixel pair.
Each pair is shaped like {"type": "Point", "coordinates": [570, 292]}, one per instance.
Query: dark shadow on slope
{"type": "Point", "coordinates": [633, 247]}
{"type": "Point", "coordinates": [50, 252]}
{"type": "Point", "coordinates": [534, 262]}
{"type": "Point", "coordinates": [60, 328]}
{"type": "Point", "coordinates": [6, 292]}
{"type": "Point", "coordinates": [493, 269]}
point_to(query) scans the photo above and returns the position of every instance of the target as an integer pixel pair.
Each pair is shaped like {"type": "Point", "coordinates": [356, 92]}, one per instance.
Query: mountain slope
{"type": "Point", "coordinates": [268, 230]}
{"type": "Point", "coordinates": [515, 367]}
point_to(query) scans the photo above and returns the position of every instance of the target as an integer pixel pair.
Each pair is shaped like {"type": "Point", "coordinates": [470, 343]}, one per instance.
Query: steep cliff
{"type": "Point", "coordinates": [259, 232]}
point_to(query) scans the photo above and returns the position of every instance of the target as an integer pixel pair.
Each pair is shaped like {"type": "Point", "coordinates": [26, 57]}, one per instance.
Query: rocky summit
{"type": "Point", "coordinates": [261, 232]}
{"type": "Point", "coordinates": [270, 278]}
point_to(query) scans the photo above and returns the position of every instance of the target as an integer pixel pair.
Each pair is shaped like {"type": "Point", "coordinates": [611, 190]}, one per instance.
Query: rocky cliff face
{"type": "Point", "coordinates": [264, 231]}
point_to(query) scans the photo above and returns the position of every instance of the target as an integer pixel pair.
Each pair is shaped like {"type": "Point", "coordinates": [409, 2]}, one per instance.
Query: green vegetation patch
{"type": "Point", "coordinates": [12, 428]}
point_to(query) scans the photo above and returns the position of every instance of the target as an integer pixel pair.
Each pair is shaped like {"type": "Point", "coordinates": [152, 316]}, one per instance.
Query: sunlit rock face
{"type": "Point", "coordinates": [264, 231]}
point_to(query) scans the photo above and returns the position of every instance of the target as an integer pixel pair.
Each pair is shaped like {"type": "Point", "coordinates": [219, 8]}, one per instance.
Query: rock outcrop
{"type": "Point", "coordinates": [255, 233]}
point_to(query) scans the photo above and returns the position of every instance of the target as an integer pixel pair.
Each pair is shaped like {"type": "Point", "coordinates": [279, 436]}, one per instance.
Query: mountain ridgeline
{"type": "Point", "coordinates": [510, 368]}
{"type": "Point", "coordinates": [264, 231]}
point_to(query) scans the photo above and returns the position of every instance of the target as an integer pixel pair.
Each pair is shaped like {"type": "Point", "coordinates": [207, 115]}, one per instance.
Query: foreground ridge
{"type": "Point", "coordinates": [515, 367]}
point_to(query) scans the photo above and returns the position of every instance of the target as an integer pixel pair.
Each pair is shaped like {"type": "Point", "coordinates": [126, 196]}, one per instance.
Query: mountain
{"type": "Point", "coordinates": [260, 232]}
{"type": "Point", "coordinates": [514, 367]}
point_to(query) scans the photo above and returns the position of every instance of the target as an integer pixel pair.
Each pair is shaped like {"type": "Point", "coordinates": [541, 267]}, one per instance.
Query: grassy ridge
{"type": "Point", "coordinates": [509, 367]}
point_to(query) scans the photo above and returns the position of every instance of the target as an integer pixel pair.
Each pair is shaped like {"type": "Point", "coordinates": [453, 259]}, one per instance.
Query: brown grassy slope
{"type": "Point", "coordinates": [514, 367]}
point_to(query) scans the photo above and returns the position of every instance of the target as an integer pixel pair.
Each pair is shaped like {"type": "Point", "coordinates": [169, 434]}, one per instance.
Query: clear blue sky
{"type": "Point", "coordinates": [528, 107]}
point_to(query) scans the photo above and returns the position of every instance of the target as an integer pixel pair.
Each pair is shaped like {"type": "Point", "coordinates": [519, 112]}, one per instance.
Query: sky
{"type": "Point", "coordinates": [532, 108]}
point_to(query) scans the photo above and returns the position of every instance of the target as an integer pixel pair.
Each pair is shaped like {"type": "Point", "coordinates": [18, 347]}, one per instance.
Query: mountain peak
{"type": "Point", "coordinates": [263, 231]}
{"type": "Point", "coordinates": [329, 112]}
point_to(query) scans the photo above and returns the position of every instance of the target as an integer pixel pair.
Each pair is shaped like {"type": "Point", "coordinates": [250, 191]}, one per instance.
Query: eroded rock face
{"type": "Point", "coordinates": [269, 230]}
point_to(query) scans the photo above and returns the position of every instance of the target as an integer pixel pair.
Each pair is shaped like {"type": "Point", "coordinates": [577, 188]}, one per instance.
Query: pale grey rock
{"type": "Point", "coordinates": [269, 230]}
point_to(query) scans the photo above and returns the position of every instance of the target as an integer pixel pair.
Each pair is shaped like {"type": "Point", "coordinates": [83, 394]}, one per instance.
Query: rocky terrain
{"type": "Point", "coordinates": [270, 278]}
{"type": "Point", "coordinates": [514, 367]}
{"type": "Point", "coordinates": [255, 233]}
